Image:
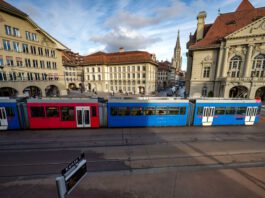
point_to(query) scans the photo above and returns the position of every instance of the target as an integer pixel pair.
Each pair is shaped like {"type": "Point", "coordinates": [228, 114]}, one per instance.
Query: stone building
{"type": "Point", "coordinates": [124, 71]}
{"type": "Point", "coordinates": [227, 58]}
{"type": "Point", "coordinates": [163, 74]}
{"type": "Point", "coordinates": [177, 58]}
{"type": "Point", "coordinates": [30, 58]}
{"type": "Point", "coordinates": [73, 72]}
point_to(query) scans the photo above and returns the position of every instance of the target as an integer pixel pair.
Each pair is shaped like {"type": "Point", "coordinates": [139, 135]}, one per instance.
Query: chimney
{"type": "Point", "coordinates": [121, 49]}
{"type": "Point", "coordinates": [200, 25]}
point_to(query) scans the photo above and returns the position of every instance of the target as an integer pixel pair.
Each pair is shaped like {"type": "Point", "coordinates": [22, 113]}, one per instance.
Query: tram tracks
{"type": "Point", "coordinates": [139, 164]}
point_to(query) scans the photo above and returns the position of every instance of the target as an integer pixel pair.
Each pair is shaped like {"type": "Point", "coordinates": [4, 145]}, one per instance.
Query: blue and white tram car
{"type": "Point", "coordinates": [147, 111]}
{"type": "Point", "coordinates": [210, 112]}
{"type": "Point", "coordinates": [9, 118]}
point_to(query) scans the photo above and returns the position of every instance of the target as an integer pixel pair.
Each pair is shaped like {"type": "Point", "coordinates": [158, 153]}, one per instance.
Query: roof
{"type": "Point", "coordinates": [9, 9]}
{"type": "Point", "coordinates": [164, 65]}
{"type": "Point", "coordinates": [127, 57]}
{"type": "Point", "coordinates": [226, 24]}
{"type": "Point", "coordinates": [71, 59]}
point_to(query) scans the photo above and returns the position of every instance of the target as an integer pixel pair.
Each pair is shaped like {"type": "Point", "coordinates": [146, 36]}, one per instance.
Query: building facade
{"type": "Point", "coordinates": [227, 58]}
{"type": "Point", "coordinates": [132, 72]}
{"type": "Point", "coordinates": [73, 72]}
{"type": "Point", "coordinates": [30, 59]}
{"type": "Point", "coordinates": [163, 74]}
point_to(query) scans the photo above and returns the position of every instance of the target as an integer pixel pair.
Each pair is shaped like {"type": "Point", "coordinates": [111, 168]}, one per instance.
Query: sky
{"type": "Point", "coordinates": [88, 26]}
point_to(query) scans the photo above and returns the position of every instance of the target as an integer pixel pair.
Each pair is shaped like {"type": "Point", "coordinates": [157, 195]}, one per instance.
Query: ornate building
{"type": "Point", "coordinates": [227, 58]}
{"type": "Point", "coordinates": [127, 72]}
{"type": "Point", "coordinates": [73, 72]}
{"type": "Point", "coordinates": [177, 58]}
{"type": "Point", "coordinates": [163, 74]}
{"type": "Point", "coordinates": [30, 58]}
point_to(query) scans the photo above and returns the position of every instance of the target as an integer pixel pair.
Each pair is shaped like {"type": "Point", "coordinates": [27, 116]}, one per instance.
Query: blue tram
{"type": "Point", "coordinates": [9, 118]}
{"type": "Point", "coordinates": [208, 112]}
{"type": "Point", "coordinates": [146, 112]}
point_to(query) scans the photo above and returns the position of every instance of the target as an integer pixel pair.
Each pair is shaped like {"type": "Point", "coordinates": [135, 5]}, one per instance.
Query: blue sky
{"type": "Point", "coordinates": [87, 26]}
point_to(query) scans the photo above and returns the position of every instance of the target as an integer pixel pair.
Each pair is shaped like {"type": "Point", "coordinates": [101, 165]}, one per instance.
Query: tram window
{"type": "Point", "coordinates": [10, 112]}
{"type": "Point", "coordinates": [149, 111]}
{"type": "Point", "coordinates": [173, 110]}
{"type": "Point", "coordinates": [182, 111]}
{"type": "Point", "coordinates": [219, 110]}
{"type": "Point", "coordinates": [200, 110]}
{"type": "Point", "coordinates": [161, 111]}
{"type": "Point", "coordinates": [230, 110]}
{"type": "Point", "coordinates": [124, 111]}
{"type": "Point", "coordinates": [114, 111]}
{"type": "Point", "coordinates": [52, 112]}
{"type": "Point", "coordinates": [136, 111]}
{"type": "Point", "coordinates": [37, 112]}
{"type": "Point", "coordinates": [241, 110]}
{"type": "Point", "coordinates": [94, 111]}
{"type": "Point", "coordinates": [67, 113]}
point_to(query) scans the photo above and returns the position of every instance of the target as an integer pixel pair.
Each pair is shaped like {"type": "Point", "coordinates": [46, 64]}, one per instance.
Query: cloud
{"type": "Point", "coordinates": [130, 20]}
{"type": "Point", "coordinates": [124, 37]}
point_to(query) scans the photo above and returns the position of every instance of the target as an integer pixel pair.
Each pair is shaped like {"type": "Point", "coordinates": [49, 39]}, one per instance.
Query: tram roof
{"type": "Point", "coordinates": [147, 99]}
{"type": "Point", "coordinates": [226, 100]}
{"type": "Point", "coordinates": [7, 100]}
{"type": "Point", "coordinates": [63, 100]}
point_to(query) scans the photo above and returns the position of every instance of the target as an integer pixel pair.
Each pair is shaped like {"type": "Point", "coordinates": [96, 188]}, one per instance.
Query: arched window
{"type": "Point", "coordinates": [258, 66]}
{"type": "Point", "coordinates": [235, 66]}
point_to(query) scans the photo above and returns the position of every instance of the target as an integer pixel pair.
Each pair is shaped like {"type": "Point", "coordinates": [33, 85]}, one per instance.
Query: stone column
{"type": "Point", "coordinates": [248, 65]}
{"type": "Point", "coordinates": [220, 60]}
{"type": "Point", "coordinates": [225, 61]}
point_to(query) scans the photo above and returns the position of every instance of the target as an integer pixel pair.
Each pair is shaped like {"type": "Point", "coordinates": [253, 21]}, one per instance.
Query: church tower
{"type": "Point", "coordinates": [177, 59]}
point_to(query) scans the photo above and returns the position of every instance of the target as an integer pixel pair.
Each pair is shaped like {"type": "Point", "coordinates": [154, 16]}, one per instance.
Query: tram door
{"type": "Point", "coordinates": [3, 119]}
{"type": "Point", "coordinates": [83, 117]}
{"type": "Point", "coordinates": [251, 115]}
{"type": "Point", "coordinates": [207, 116]}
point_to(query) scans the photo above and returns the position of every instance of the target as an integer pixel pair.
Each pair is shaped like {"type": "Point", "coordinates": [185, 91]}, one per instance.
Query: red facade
{"type": "Point", "coordinates": [43, 115]}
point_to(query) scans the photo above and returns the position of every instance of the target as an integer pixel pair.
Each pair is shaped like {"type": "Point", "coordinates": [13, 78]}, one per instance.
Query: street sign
{"type": "Point", "coordinates": [71, 176]}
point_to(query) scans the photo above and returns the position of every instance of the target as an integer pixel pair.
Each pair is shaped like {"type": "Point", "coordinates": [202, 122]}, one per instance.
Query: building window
{"type": "Point", "coordinates": [206, 72]}
{"type": "Point", "coordinates": [42, 65]}
{"type": "Point", "coordinates": [99, 77]}
{"type": "Point", "coordinates": [19, 62]}
{"type": "Point", "coordinates": [54, 65]}
{"type": "Point", "coordinates": [25, 48]}
{"type": "Point", "coordinates": [234, 66]}
{"type": "Point", "coordinates": [33, 50]}
{"type": "Point", "coordinates": [258, 66]}
{"type": "Point", "coordinates": [204, 91]}
{"type": "Point", "coordinates": [47, 52]}
{"type": "Point", "coordinates": [94, 78]}
{"type": "Point", "coordinates": [6, 45]}
{"type": "Point", "coordinates": [28, 35]}
{"type": "Point", "coordinates": [34, 37]}
{"type": "Point", "coordinates": [27, 62]}
{"type": "Point", "coordinates": [8, 30]}
{"type": "Point", "coordinates": [48, 65]}
{"type": "Point", "coordinates": [40, 51]}
{"type": "Point", "coordinates": [138, 68]}
{"type": "Point", "coordinates": [93, 70]}
{"type": "Point", "coordinates": [16, 32]}
{"type": "Point", "coordinates": [9, 61]}
{"type": "Point", "coordinates": [3, 76]}
{"type": "Point", "coordinates": [1, 61]}
{"type": "Point", "coordinates": [35, 63]}
{"type": "Point", "coordinates": [53, 53]}
{"type": "Point", "coordinates": [87, 69]}
{"type": "Point", "coordinates": [98, 69]}
{"type": "Point", "coordinates": [16, 46]}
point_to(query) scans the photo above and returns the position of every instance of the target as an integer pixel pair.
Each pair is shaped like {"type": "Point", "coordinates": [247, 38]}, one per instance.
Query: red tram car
{"type": "Point", "coordinates": [63, 113]}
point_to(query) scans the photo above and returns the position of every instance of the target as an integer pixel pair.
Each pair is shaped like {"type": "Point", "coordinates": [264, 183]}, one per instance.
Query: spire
{"type": "Point", "coordinates": [178, 41]}
{"type": "Point", "coordinates": [245, 5]}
